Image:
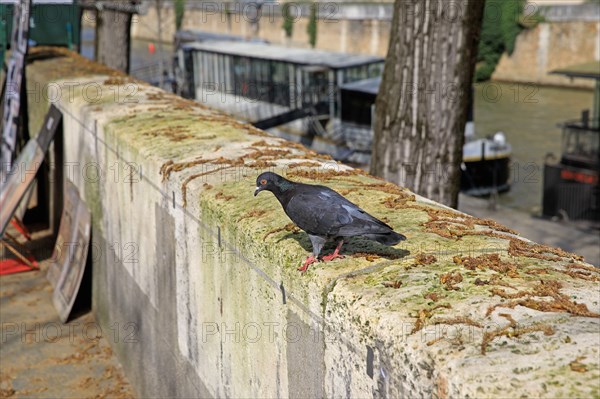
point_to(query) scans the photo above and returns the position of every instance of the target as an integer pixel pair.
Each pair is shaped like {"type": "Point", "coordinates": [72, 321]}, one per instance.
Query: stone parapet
{"type": "Point", "coordinates": [199, 277]}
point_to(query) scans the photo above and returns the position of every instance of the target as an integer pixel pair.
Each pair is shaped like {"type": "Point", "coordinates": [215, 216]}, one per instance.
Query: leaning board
{"type": "Point", "coordinates": [68, 265]}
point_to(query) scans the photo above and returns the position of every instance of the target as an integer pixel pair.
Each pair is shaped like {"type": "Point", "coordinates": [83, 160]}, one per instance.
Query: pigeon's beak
{"type": "Point", "coordinates": [258, 190]}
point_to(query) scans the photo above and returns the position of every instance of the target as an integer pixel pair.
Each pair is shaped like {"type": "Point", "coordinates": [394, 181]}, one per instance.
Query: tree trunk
{"type": "Point", "coordinates": [113, 37]}
{"type": "Point", "coordinates": [422, 104]}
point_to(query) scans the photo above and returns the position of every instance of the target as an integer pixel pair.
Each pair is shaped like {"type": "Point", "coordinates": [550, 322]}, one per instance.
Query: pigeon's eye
{"type": "Point", "coordinates": [263, 182]}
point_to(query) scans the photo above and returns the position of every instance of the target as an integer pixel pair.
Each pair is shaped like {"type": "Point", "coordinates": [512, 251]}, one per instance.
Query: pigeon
{"type": "Point", "coordinates": [324, 214]}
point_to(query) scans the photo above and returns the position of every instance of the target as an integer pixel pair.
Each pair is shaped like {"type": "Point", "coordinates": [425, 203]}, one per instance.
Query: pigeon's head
{"type": "Point", "coordinates": [269, 181]}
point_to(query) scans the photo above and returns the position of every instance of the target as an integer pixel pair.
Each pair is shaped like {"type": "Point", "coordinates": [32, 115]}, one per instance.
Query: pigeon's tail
{"type": "Point", "coordinates": [389, 239]}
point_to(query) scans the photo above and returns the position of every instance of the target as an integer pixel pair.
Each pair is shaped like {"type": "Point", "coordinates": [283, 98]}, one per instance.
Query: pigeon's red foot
{"type": "Point", "coordinates": [309, 261]}
{"type": "Point", "coordinates": [335, 254]}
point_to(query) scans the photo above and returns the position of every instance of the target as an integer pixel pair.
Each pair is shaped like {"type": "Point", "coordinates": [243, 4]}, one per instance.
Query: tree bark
{"type": "Point", "coordinates": [113, 37]}
{"type": "Point", "coordinates": [422, 104]}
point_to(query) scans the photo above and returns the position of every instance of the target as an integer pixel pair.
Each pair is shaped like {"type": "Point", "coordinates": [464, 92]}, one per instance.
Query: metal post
{"type": "Point", "coordinates": [596, 107]}
{"type": "Point", "coordinates": [3, 42]}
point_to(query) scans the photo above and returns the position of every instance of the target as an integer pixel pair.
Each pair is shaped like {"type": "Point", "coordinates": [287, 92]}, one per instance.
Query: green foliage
{"type": "Point", "coordinates": [288, 20]}
{"type": "Point", "coordinates": [484, 71]}
{"type": "Point", "coordinates": [311, 28]}
{"type": "Point", "coordinates": [503, 20]}
{"type": "Point", "coordinates": [179, 13]}
{"type": "Point", "coordinates": [509, 22]}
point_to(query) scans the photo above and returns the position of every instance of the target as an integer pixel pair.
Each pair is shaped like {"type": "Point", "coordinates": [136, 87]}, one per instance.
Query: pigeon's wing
{"type": "Point", "coordinates": [362, 224]}
{"type": "Point", "coordinates": [314, 212]}
{"type": "Point", "coordinates": [322, 211]}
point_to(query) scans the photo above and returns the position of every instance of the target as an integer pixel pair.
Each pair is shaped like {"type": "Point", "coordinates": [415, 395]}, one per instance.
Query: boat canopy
{"type": "Point", "coordinates": [587, 70]}
{"type": "Point", "coordinates": [293, 55]}
{"type": "Point", "coordinates": [367, 86]}
{"type": "Point", "coordinates": [193, 35]}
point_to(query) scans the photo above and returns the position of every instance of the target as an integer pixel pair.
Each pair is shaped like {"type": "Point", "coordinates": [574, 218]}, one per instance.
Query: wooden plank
{"type": "Point", "coordinates": [15, 184]}
{"type": "Point", "coordinates": [75, 257]}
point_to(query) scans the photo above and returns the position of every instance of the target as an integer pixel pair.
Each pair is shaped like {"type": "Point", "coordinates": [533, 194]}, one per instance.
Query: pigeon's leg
{"type": "Point", "coordinates": [317, 244]}
{"type": "Point", "coordinates": [309, 261]}
{"type": "Point", "coordinates": [335, 254]}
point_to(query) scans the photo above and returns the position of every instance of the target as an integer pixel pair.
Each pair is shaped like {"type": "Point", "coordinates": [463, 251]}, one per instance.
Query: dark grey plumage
{"type": "Point", "coordinates": [323, 213]}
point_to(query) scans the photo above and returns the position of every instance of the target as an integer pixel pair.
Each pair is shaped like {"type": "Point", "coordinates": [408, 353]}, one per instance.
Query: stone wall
{"type": "Point", "coordinates": [353, 28]}
{"type": "Point", "coordinates": [199, 276]}
{"type": "Point", "coordinates": [550, 46]}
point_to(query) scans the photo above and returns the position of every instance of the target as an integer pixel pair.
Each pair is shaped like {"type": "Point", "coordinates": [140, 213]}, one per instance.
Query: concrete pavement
{"type": "Point", "coordinates": [42, 358]}
{"type": "Point", "coordinates": [573, 237]}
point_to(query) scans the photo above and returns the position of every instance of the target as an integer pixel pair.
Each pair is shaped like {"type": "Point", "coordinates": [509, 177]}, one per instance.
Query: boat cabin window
{"type": "Point", "coordinates": [581, 143]}
{"type": "Point", "coordinates": [315, 85]}
{"type": "Point", "coordinates": [375, 69]}
{"type": "Point", "coordinates": [361, 72]}
{"type": "Point", "coordinates": [252, 78]}
{"type": "Point", "coordinates": [355, 73]}
{"type": "Point", "coordinates": [281, 83]}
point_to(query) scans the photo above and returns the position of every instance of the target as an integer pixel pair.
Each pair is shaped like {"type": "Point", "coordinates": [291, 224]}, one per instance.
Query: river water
{"type": "Point", "coordinates": [528, 115]}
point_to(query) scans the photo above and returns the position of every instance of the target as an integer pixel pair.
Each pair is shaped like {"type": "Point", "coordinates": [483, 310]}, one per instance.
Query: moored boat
{"type": "Point", "coordinates": [571, 189]}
